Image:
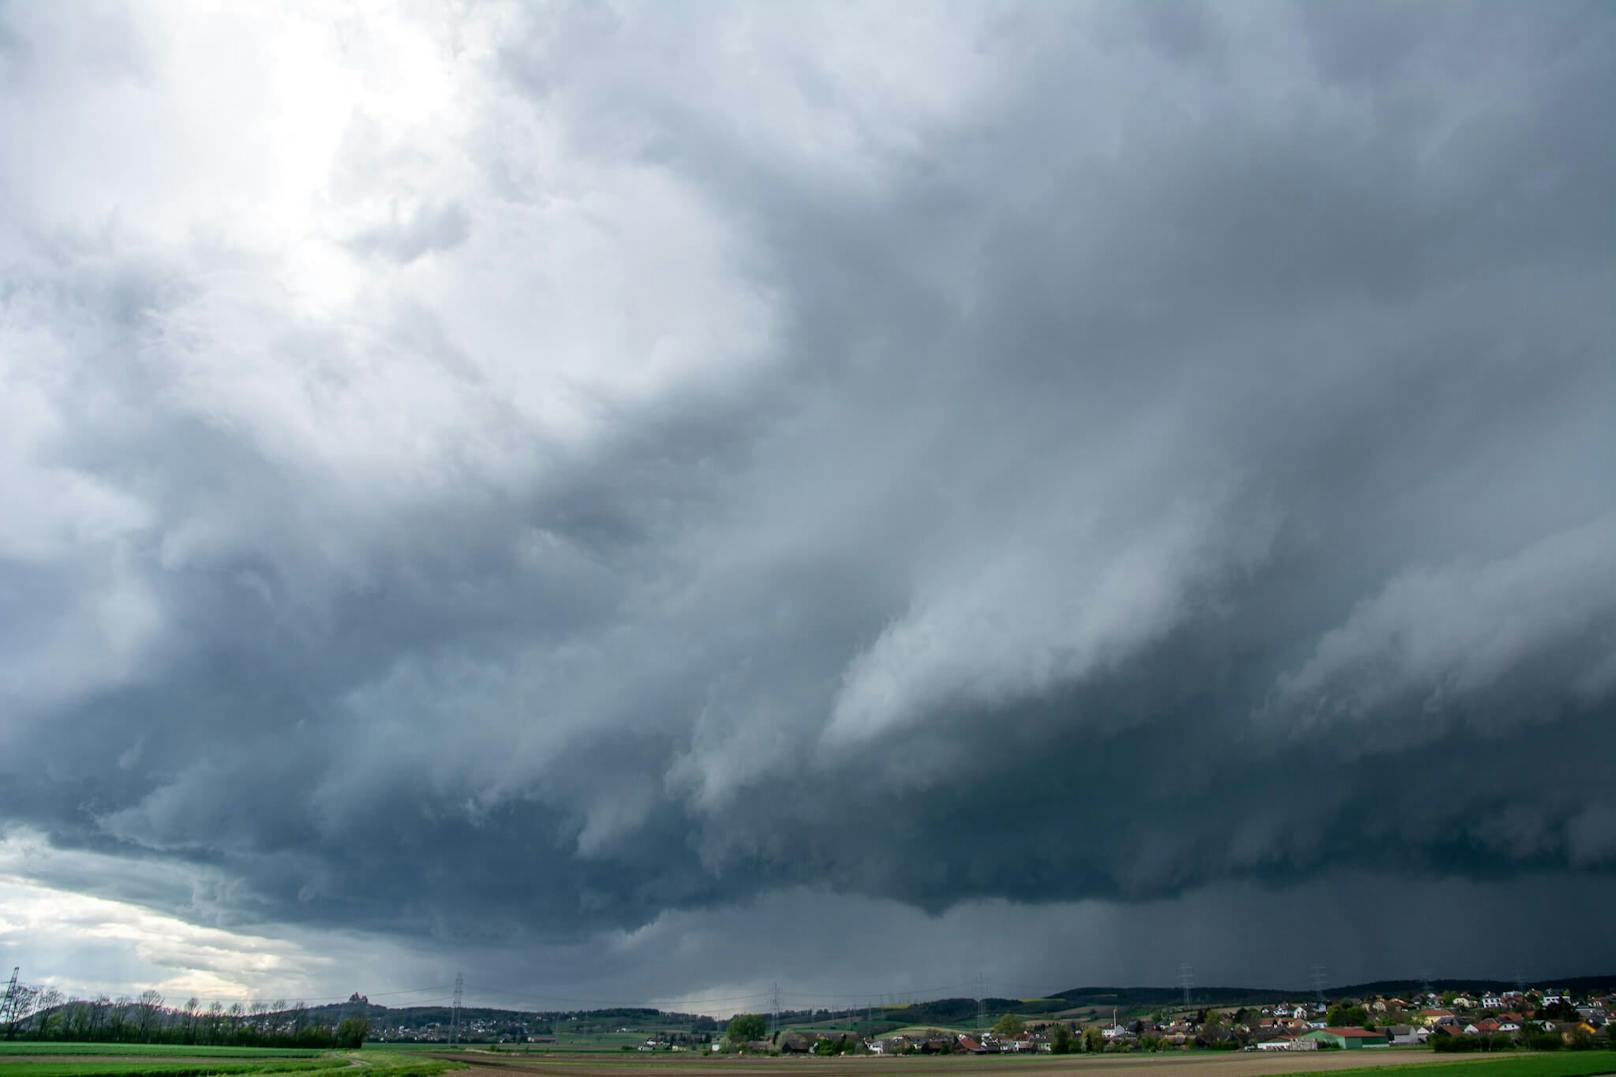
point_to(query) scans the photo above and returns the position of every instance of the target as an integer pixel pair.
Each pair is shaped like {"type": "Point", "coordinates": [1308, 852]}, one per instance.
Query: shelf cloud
{"type": "Point", "coordinates": [545, 479]}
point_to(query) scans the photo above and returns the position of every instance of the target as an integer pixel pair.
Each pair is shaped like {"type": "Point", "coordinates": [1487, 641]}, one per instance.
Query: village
{"type": "Point", "coordinates": [1538, 1019]}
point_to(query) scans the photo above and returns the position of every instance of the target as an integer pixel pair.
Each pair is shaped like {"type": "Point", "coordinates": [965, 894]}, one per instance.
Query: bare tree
{"type": "Point", "coordinates": [73, 1019]}
{"type": "Point", "coordinates": [147, 1011]}
{"type": "Point", "coordinates": [47, 1012]}
{"type": "Point", "coordinates": [258, 1008]}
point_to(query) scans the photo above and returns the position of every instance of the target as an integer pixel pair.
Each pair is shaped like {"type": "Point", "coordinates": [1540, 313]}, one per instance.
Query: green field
{"type": "Point", "coordinates": [164, 1060]}
{"type": "Point", "coordinates": [61, 1066]}
{"type": "Point", "coordinates": [24, 1047]}
{"type": "Point", "coordinates": [1511, 1064]}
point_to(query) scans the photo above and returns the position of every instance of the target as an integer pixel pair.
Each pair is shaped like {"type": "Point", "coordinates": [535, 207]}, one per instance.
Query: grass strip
{"type": "Point", "coordinates": [399, 1064]}
{"type": "Point", "coordinates": [53, 1047]}
{"type": "Point", "coordinates": [49, 1063]}
{"type": "Point", "coordinates": [1501, 1064]}
{"type": "Point", "coordinates": [15, 1067]}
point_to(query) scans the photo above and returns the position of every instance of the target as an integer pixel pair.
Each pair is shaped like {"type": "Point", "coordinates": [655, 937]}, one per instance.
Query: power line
{"type": "Point", "coordinates": [911, 993]}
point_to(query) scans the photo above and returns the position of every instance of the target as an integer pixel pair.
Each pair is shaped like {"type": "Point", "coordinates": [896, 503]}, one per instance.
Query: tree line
{"type": "Point", "coordinates": [32, 1013]}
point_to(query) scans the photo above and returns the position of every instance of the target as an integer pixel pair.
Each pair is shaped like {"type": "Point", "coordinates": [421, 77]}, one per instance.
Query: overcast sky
{"type": "Point", "coordinates": [642, 502]}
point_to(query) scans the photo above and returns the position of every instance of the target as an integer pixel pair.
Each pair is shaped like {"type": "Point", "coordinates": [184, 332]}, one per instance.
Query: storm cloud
{"type": "Point", "coordinates": [539, 478]}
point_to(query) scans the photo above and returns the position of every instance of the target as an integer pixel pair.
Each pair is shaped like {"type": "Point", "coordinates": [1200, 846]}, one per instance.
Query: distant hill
{"type": "Point", "coordinates": [490, 1024]}
{"type": "Point", "coordinates": [1134, 997]}
{"type": "Point", "coordinates": [1151, 997]}
{"type": "Point", "coordinates": [943, 1011]}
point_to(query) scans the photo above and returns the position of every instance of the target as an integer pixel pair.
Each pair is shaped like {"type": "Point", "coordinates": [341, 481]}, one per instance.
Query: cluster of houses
{"type": "Point", "coordinates": [432, 1032]}
{"type": "Point", "coordinates": [928, 1042]}
{"type": "Point", "coordinates": [1511, 1014]}
{"type": "Point", "coordinates": [1391, 1021]}
{"type": "Point", "coordinates": [987, 1043]}
{"type": "Point", "coordinates": [1385, 1022]}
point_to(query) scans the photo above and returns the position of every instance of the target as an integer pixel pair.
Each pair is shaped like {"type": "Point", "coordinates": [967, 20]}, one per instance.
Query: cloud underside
{"type": "Point", "coordinates": [544, 473]}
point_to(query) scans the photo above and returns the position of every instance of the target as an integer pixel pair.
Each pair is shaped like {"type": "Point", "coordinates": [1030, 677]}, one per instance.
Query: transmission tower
{"type": "Point", "coordinates": [459, 995]}
{"type": "Point", "coordinates": [10, 1001]}
{"type": "Point", "coordinates": [981, 1003]}
{"type": "Point", "coordinates": [774, 1011]}
{"type": "Point", "coordinates": [1186, 980]}
{"type": "Point", "coordinates": [1318, 983]}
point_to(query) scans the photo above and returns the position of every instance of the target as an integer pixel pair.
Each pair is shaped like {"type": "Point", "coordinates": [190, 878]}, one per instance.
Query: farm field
{"type": "Point", "coordinates": [163, 1060]}
{"type": "Point", "coordinates": [1207, 1064]}
{"type": "Point", "coordinates": [25, 1047]}
{"type": "Point", "coordinates": [133, 1060]}
{"type": "Point", "coordinates": [1511, 1064]}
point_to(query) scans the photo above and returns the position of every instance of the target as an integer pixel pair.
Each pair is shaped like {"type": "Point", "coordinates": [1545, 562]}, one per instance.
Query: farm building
{"type": "Point", "coordinates": [1350, 1038]}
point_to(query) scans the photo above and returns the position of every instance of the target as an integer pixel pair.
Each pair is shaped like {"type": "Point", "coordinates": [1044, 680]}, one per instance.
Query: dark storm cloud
{"type": "Point", "coordinates": [1035, 454]}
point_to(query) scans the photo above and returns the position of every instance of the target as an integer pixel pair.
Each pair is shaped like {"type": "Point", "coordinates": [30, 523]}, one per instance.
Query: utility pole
{"type": "Point", "coordinates": [9, 1004]}
{"type": "Point", "coordinates": [454, 1020]}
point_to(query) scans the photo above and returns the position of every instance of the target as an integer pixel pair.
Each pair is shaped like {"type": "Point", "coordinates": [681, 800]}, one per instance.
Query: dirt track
{"type": "Point", "coordinates": [1233, 1064]}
